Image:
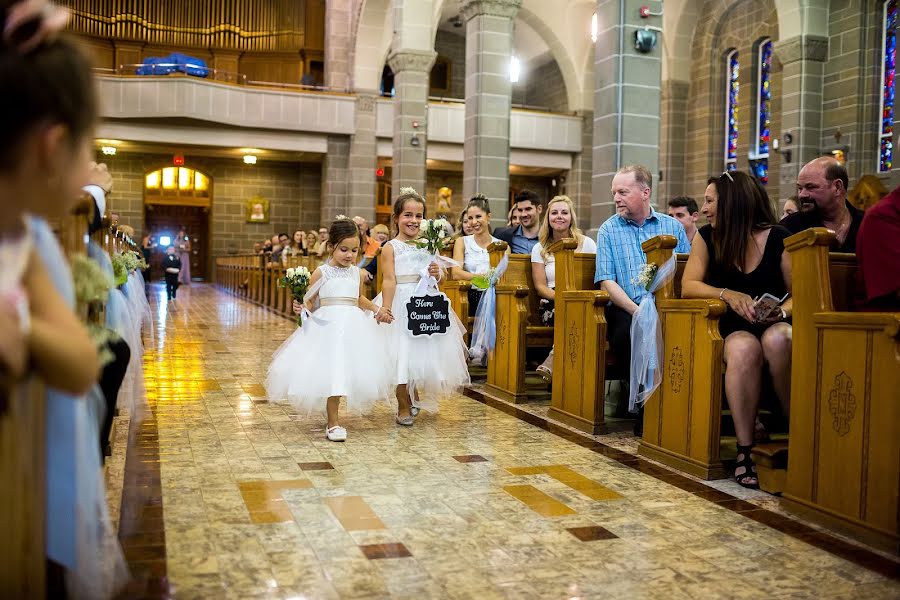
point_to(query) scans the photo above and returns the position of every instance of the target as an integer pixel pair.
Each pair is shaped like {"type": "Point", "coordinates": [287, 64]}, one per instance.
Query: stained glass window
{"type": "Point", "coordinates": [763, 111]}
{"type": "Point", "coordinates": [731, 111]}
{"type": "Point", "coordinates": [888, 69]}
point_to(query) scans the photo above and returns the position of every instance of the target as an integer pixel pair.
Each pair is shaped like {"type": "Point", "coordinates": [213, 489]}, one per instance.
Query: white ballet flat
{"type": "Point", "coordinates": [405, 421]}
{"type": "Point", "coordinates": [336, 434]}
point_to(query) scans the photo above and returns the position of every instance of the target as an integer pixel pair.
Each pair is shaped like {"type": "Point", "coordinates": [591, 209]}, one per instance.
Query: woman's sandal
{"type": "Point", "coordinates": [747, 477]}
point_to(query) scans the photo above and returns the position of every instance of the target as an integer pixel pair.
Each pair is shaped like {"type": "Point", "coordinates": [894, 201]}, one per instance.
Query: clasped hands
{"type": "Point", "coordinates": [745, 306]}
{"type": "Point", "coordinates": [382, 315]}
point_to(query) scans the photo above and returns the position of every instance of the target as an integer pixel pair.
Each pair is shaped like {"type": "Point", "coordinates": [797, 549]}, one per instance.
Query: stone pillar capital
{"type": "Point", "coordinates": [802, 47]}
{"type": "Point", "coordinates": [411, 60]}
{"type": "Point", "coordinates": [497, 8]}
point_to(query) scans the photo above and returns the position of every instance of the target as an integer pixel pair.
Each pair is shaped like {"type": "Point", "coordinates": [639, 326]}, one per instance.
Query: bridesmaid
{"type": "Point", "coordinates": [183, 242]}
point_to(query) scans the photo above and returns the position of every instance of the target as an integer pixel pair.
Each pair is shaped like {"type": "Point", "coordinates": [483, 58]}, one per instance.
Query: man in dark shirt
{"type": "Point", "coordinates": [171, 267]}
{"type": "Point", "coordinates": [522, 237]}
{"type": "Point", "coordinates": [822, 190]}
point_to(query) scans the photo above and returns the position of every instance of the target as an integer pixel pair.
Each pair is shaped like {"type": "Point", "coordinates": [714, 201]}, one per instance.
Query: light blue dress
{"type": "Point", "coordinates": [79, 534]}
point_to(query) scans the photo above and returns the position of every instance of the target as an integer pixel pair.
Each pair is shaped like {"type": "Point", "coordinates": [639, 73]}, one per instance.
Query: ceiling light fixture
{"type": "Point", "coordinates": [108, 150]}
{"type": "Point", "coordinates": [249, 159]}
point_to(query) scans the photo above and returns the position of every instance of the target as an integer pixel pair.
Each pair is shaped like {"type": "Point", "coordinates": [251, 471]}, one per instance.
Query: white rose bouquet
{"type": "Point", "coordinates": [297, 281]}
{"type": "Point", "coordinates": [433, 235]}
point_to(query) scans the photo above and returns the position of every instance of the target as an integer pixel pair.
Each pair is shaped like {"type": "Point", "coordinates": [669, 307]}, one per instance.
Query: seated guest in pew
{"type": "Point", "coordinates": [463, 225]}
{"type": "Point", "coordinates": [381, 234]}
{"type": "Point", "coordinates": [559, 223]}
{"type": "Point", "coordinates": [523, 236]}
{"type": "Point", "coordinates": [822, 191]}
{"type": "Point", "coordinates": [512, 218]}
{"type": "Point", "coordinates": [471, 250]}
{"type": "Point", "coordinates": [620, 257]}
{"type": "Point", "coordinates": [684, 208]}
{"type": "Point", "coordinates": [791, 205]}
{"type": "Point", "coordinates": [47, 127]}
{"type": "Point", "coordinates": [738, 257]}
{"type": "Point", "coordinates": [878, 253]}
{"type": "Point", "coordinates": [294, 246]}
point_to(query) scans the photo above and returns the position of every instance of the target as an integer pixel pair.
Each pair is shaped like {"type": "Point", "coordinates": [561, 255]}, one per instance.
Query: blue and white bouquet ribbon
{"type": "Point", "coordinates": [484, 332]}
{"type": "Point", "coordinates": [646, 335]}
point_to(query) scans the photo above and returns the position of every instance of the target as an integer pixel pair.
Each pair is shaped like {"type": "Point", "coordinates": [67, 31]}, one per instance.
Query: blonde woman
{"type": "Point", "coordinates": [559, 223]}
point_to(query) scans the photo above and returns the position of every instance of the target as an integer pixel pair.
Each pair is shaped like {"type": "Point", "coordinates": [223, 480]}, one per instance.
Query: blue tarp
{"type": "Point", "coordinates": [173, 63]}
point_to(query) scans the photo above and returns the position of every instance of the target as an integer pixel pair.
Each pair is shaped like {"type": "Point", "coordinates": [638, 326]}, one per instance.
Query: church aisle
{"type": "Point", "coordinates": [471, 502]}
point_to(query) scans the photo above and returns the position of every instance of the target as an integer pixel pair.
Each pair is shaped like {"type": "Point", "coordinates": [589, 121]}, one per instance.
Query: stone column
{"type": "Point", "coordinates": [363, 160]}
{"type": "Point", "coordinates": [334, 178]}
{"type": "Point", "coordinates": [489, 46]}
{"type": "Point", "coordinates": [578, 181]}
{"type": "Point", "coordinates": [626, 100]}
{"type": "Point", "coordinates": [803, 64]}
{"type": "Point", "coordinates": [338, 45]}
{"type": "Point", "coordinates": [412, 69]}
{"type": "Point", "coordinates": [674, 140]}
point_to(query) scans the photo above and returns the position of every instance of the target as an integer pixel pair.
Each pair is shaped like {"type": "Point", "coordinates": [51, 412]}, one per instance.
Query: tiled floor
{"type": "Point", "coordinates": [229, 496]}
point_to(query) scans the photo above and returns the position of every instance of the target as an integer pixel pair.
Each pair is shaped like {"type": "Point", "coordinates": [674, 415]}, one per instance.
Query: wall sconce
{"type": "Point", "coordinates": [249, 159]}
{"type": "Point", "coordinates": [108, 150]}
{"type": "Point", "coordinates": [414, 142]}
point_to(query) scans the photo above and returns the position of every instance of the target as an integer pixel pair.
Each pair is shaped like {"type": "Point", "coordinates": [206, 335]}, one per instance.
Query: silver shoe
{"type": "Point", "coordinates": [405, 421]}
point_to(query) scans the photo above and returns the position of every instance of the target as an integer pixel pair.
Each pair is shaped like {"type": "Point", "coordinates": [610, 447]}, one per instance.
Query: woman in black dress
{"type": "Point", "coordinates": [737, 257]}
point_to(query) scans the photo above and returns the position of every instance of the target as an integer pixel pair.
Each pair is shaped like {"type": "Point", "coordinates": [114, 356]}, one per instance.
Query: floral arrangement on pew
{"type": "Point", "coordinates": [645, 276]}
{"type": "Point", "coordinates": [92, 285]}
{"type": "Point", "coordinates": [296, 279]}
{"type": "Point", "coordinates": [125, 263]}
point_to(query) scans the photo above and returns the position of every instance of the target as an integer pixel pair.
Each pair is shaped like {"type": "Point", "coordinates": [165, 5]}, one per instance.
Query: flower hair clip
{"type": "Point", "coordinates": [408, 191]}
{"type": "Point", "coordinates": [342, 218]}
{"type": "Point", "coordinates": [33, 22]}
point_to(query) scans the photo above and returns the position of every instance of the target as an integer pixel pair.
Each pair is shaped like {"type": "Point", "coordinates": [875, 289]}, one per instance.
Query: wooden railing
{"type": "Point", "coordinates": [254, 277]}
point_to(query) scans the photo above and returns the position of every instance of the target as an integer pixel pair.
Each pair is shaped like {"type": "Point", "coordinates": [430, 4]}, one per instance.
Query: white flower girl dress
{"type": "Point", "coordinates": [338, 351]}
{"type": "Point", "coordinates": [435, 365]}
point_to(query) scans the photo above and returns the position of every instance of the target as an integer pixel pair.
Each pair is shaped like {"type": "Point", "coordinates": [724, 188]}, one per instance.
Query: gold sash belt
{"type": "Point", "coordinates": [339, 302]}
{"type": "Point", "coordinates": [408, 278]}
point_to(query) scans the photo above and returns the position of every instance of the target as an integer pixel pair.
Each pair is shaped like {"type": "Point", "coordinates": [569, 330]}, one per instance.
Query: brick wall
{"type": "Point", "coordinates": [544, 87]}
{"type": "Point", "coordinates": [734, 25]}
{"type": "Point", "coordinates": [292, 189]}
{"type": "Point", "coordinates": [453, 48]}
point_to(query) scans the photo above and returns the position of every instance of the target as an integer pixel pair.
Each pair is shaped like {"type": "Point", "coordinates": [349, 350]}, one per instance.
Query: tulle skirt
{"type": "Point", "coordinates": [436, 366]}
{"type": "Point", "coordinates": [339, 351]}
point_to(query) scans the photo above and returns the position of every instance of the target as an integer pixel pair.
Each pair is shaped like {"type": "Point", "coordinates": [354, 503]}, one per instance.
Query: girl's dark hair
{"type": "Point", "coordinates": [51, 83]}
{"type": "Point", "coordinates": [742, 208]}
{"type": "Point", "coordinates": [341, 229]}
{"type": "Point", "coordinates": [480, 201]}
{"type": "Point", "coordinates": [407, 194]}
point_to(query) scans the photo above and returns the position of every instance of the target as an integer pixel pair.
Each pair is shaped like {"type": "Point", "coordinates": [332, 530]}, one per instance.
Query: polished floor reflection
{"type": "Point", "coordinates": [471, 502]}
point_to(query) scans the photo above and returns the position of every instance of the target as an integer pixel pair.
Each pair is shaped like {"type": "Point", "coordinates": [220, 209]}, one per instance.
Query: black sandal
{"type": "Point", "coordinates": [748, 477]}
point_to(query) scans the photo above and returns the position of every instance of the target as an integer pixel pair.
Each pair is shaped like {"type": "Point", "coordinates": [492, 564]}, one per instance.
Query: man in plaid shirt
{"type": "Point", "coordinates": [619, 254]}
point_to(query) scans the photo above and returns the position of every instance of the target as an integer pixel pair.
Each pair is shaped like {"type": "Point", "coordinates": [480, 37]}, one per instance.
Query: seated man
{"type": "Point", "coordinates": [822, 191]}
{"type": "Point", "coordinates": [684, 208]}
{"type": "Point", "coordinates": [619, 253]}
{"type": "Point", "coordinates": [523, 236]}
{"type": "Point", "coordinates": [878, 252]}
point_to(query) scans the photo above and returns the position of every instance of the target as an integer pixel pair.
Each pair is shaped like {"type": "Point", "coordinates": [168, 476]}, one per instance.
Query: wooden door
{"type": "Point", "coordinates": [167, 219]}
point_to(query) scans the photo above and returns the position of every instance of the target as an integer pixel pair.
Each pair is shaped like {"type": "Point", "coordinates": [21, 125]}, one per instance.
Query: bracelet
{"type": "Point", "coordinates": [722, 294]}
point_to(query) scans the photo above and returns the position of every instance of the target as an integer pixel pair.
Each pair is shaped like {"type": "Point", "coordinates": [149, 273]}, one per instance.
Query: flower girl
{"type": "Point", "coordinates": [426, 364]}
{"type": "Point", "coordinates": [330, 356]}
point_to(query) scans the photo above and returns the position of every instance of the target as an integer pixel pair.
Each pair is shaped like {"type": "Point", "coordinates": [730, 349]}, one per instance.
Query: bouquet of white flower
{"type": "Point", "coordinates": [645, 276]}
{"type": "Point", "coordinates": [433, 235]}
{"type": "Point", "coordinates": [297, 281]}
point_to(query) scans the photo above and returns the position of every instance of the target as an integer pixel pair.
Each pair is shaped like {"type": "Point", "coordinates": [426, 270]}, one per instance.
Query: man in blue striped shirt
{"type": "Point", "coordinates": [619, 254]}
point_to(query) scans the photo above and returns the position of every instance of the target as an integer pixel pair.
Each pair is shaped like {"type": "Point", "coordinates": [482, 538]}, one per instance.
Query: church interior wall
{"type": "Point", "coordinates": [292, 189]}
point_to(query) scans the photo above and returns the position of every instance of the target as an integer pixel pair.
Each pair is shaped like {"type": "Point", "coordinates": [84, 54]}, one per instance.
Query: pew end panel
{"type": "Point", "coordinates": [682, 419]}
{"type": "Point", "coordinates": [505, 371]}
{"type": "Point", "coordinates": [579, 364]}
{"type": "Point", "coordinates": [844, 443]}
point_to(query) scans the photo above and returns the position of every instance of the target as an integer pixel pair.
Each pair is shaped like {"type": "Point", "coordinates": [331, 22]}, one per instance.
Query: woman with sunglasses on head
{"type": "Point", "coordinates": [736, 258]}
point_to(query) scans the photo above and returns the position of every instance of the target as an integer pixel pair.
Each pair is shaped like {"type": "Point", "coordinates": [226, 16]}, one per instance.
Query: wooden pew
{"type": "Point", "coordinates": [682, 419]}
{"type": "Point", "coordinates": [844, 441]}
{"type": "Point", "coordinates": [518, 318]}
{"type": "Point", "coordinates": [458, 290]}
{"type": "Point", "coordinates": [579, 339]}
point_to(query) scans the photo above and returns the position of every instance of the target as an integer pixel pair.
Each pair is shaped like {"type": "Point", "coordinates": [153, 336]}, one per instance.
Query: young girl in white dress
{"type": "Point", "coordinates": [331, 355]}
{"type": "Point", "coordinates": [427, 367]}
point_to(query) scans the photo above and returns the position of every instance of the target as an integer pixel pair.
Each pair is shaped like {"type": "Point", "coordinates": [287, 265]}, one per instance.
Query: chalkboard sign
{"type": "Point", "coordinates": [428, 314]}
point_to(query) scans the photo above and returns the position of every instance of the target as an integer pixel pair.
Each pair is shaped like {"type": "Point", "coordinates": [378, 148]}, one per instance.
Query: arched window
{"type": "Point", "coordinates": [177, 185]}
{"type": "Point", "coordinates": [888, 69]}
{"type": "Point", "coordinates": [759, 159]}
{"type": "Point", "coordinates": [731, 110]}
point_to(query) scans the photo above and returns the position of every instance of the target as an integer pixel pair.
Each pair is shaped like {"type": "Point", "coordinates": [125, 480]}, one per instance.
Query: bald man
{"type": "Point", "coordinates": [822, 191]}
